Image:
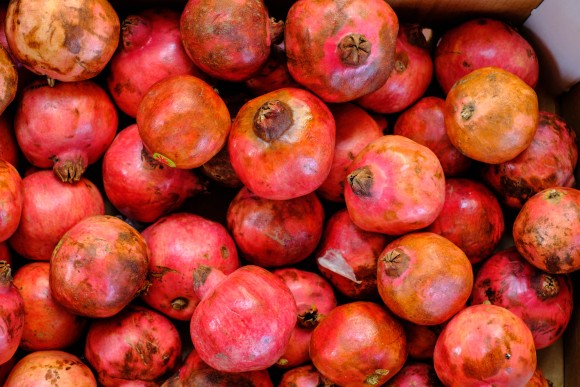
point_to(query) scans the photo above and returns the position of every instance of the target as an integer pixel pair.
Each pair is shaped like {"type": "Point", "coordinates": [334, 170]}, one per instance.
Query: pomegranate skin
{"type": "Point", "coordinates": [303, 376]}
{"type": "Point", "coordinates": [47, 325]}
{"type": "Point", "coordinates": [421, 339]}
{"type": "Point", "coordinates": [549, 161]}
{"type": "Point", "coordinates": [507, 359]}
{"type": "Point", "coordinates": [11, 314]}
{"type": "Point", "coordinates": [244, 322]}
{"type": "Point", "coordinates": [9, 150]}
{"type": "Point", "coordinates": [546, 231]}
{"type": "Point", "coordinates": [358, 344]}
{"type": "Point", "coordinates": [273, 75]}
{"type": "Point", "coordinates": [179, 243]}
{"type": "Point", "coordinates": [480, 43]}
{"type": "Point", "coordinates": [140, 187]}
{"type": "Point", "coordinates": [543, 301]}
{"type": "Point", "coordinates": [394, 186]}
{"type": "Point", "coordinates": [8, 80]}
{"type": "Point", "coordinates": [65, 127]}
{"type": "Point", "coordinates": [11, 200]}
{"type": "Point", "coordinates": [84, 36]}
{"type": "Point", "coordinates": [415, 375]}
{"type": "Point", "coordinates": [341, 51]}
{"type": "Point", "coordinates": [99, 266]}
{"type": "Point", "coordinates": [49, 209]}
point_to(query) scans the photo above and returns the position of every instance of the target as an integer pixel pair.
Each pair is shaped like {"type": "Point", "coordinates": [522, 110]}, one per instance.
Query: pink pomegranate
{"type": "Point", "coordinates": [9, 150]}
{"type": "Point", "coordinates": [244, 320]}
{"type": "Point", "coordinates": [11, 314]}
{"type": "Point", "coordinates": [423, 122]}
{"type": "Point", "coordinates": [415, 375]}
{"type": "Point", "coordinates": [179, 243]}
{"type": "Point", "coordinates": [347, 256]}
{"type": "Point", "coordinates": [542, 300]}
{"type": "Point", "coordinates": [507, 359]}
{"type": "Point", "coordinates": [471, 218]}
{"type": "Point", "coordinates": [85, 34]}
{"type": "Point", "coordinates": [140, 187]}
{"type": "Point", "coordinates": [147, 347]}
{"type": "Point", "coordinates": [355, 129]}
{"type": "Point", "coordinates": [281, 144]}
{"type": "Point", "coordinates": [65, 127]}
{"type": "Point", "coordinates": [49, 209]}
{"type": "Point", "coordinates": [549, 161]}
{"type": "Point", "coordinates": [274, 233]}
{"type": "Point", "coordinates": [303, 376]}
{"type": "Point", "coordinates": [481, 43]}
{"type": "Point", "coordinates": [421, 339]}
{"type": "Point", "coordinates": [358, 343]}
{"type": "Point", "coordinates": [546, 231]}
{"type": "Point", "coordinates": [8, 80]}
{"type": "Point", "coordinates": [99, 266]}
{"type": "Point", "coordinates": [341, 51]}
{"type": "Point", "coordinates": [273, 75]}
{"type": "Point", "coordinates": [11, 200]}
{"type": "Point", "coordinates": [394, 186]}
{"type": "Point", "coordinates": [410, 76]}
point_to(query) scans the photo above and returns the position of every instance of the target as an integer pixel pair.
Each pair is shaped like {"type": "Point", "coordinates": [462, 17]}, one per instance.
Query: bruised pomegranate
{"type": "Point", "coordinates": [274, 233]}
{"type": "Point", "coordinates": [8, 80]}
{"type": "Point", "coordinates": [358, 344]}
{"type": "Point", "coordinates": [281, 144]}
{"type": "Point", "coordinates": [99, 266]}
{"type": "Point", "coordinates": [341, 50]}
{"type": "Point", "coordinates": [546, 230]}
{"type": "Point", "coordinates": [244, 320]}
{"type": "Point", "coordinates": [508, 357]}
{"type": "Point", "coordinates": [415, 375]}
{"type": "Point", "coordinates": [542, 300]}
{"type": "Point", "coordinates": [11, 200]}
{"type": "Point", "coordinates": [11, 314]}
{"type": "Point", "coordinates": [65, 127]}
{"type": "Point", "coordinates": [394, 186]}
{"type": "Point", "coordinates": [303, 376]}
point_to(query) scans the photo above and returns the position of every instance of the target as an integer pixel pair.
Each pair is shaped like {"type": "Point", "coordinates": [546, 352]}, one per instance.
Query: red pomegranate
{"type": "Point", "coordinates": [244, 320]}
{"type": "Point", "coordinates": [543, 301]}
{"type": "Point", "coordinates": [47, 325]}
{"type": "Point", "coordinates": [140, 187]}
{"type": "Point", "coordinates": [303, 376]}
{"type": "Point", "coordinates": [179, 243]}
{"type": "Point", "coordinates": [421, 339]}
{"type": "Point", "coordinates": [5, 253]}
{"type": "Point", "coordinates": [415, 375]}
{"type": "Point", "coordinates": [508, 357]}
{"type": "Point", "coordinates": [546, 231]}
{"type": "Point", "coordinates": [9, 150]}
{"type": "Point", "coordinates": [480, 43]}
{"type": "Point", "coordinates": [538, 380]}
{"type": "Point", "coordinates": [11, 314]}
{"type": "Point", "coordinates": [99, 266]}
{"type": "Point", "coordinates": [8, 80]}
{"type": "Point", "coordinates": [394, 186]}
{"type": "Point", "coordinates": [11, 200]}
{"type": "Point", "coordinates": [274, 233]}
{"type": "Point", "coordinates": [347, 256]}
{"type": "Point", "coordinates": [410, 77]}
{"type": "Point", "coordinates": [165, 121]}
{"type": "Point", "coordinates": [423, 122]}
{"type": "Point", "coordinates": [65, 127]}
{"type": "Point", "coordinates": [341, 51]}
{"type": "Point", "coordinates": [5, 369]}
{"type": "Point", "coordinates": [273, 75]}
{"type": "Point", "coordinates": [219, 169]}
{"type": "Point", "coordinates": [358, 343]}
{"type": "Point", "coordinates": [281, 144]}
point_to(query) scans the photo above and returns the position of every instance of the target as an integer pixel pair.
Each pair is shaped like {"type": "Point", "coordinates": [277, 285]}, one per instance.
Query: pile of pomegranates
{"type": "Point", "coordinates": [198, 193]}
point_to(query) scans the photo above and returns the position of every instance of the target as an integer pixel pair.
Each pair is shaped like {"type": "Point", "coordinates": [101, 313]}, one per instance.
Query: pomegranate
{"type": "Point", "coordinates": [410, 76]}
{"type": "Point", "coordinates": [65, 127]}
{"type": "Point", "coordinates": [151, 42]}
{"type": "Point", "coordinates": [179, 244]}
{"type": "Point", "coordinates": [421, 339]}
{"type": "Point", "coordinates": [303, 376]}
{"type": "Point", "coordinates": [140, 187]}
{"type": "Point", "coordinates": [424, 278]}
{"type": "Point", "coordinates": [274, 233]}
{"type": "Point", "coordinates": [508, 357]}
{"type": "Point", "coordinates": [423, 122]}
{"type": "Point", "coordinates": [99, 266]}
{"type": "Point", "coordinates": [51, 368]}
{"type": "Point", "coordinates": [548, 162]}
{"type": "Point", "coordinates": [415, 375]}
{"type": "Point", "coordinates": [83, 36]}
{"type": "Point", "coordinates": [49, 209]}
{"type": "Point", "coordinates": [394, 186]}
{"type": "Point", "coordinates": [341, 51]}
{"type": "Point", "coordinates": [480, 43]}
{"type": "Point", "coordinates": [11, 314]}
{"type": "Point", "coordinates": [8, 80]}
{"type": "Point", "coordinates": [355, 129]}
{"type": "Point", "coordinates": [358, 343]}
{"type": "Point", "coordinates": [165, 121]}
{"type": "Point", "coordinates": [5, 369]}
{"type": "Point", "coordinates": [5, 253]}
{"type": "Point", "coordinates": [542, 300]}
{"type": "Point", "coordinates": [244, 320]}
{"type": "Point", "coordinates": [147, 347]}
{"type": "Point", "coordinates": [471, 218]}
{"type": "Point", "coordinates": [281, 144]}
{"type": "Point", "coordinates": [347, 256]}
{"type": "Point", "coordinates": [11, 200]}
{"type": "Point", "coordinates": [228, 39]}
{"type": "Point", "coordinates": [273, 75]}
{"type": "Point", "coordinates": [546, 231]}
{"type": "Point", "coordinates": [538, 380]}
{"type": "Point", "coordinates": [9, 150]}
{"type": "Point", "coordinates": [219, 169]}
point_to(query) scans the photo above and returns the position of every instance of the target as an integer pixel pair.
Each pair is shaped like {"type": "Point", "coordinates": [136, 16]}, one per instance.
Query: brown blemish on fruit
{"type": "Point", "coordinates": [179, 303]}
{"type": "Point", "coordinates": [486, 367]}
{"type": "Point", "coordinates": [401, 62]}
{"type": "Point", "coordinates": [354, 49]}
{"type": "Point", "coordinates": [272, 119]}
{"type": "Point", "coordinates": [361, 181]}
{"type": "Point", "coordinates": [200, 275]}
{"type": "Point", "coordinates": [553, 264]}
{"type": "Point", "coordinates": [224, 252]}
{"type": "Point", "coordinates": [546, 286]}
{"type": "Point", "coordinates": [517, 189]}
